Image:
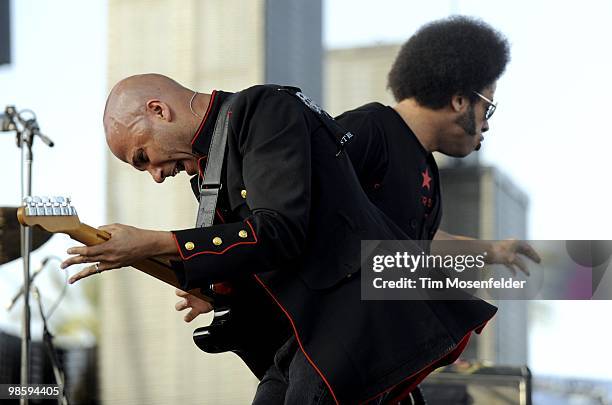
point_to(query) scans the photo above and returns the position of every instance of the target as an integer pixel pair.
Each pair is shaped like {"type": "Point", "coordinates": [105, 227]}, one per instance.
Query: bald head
{"type": "Point", "coordinates": [150, 113]}
{"type": "Point", "coordinates": [128, 99]}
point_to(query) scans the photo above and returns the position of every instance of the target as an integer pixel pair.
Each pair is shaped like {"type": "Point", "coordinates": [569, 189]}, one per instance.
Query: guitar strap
{"type": "Point", "coordinates": [211, 182]}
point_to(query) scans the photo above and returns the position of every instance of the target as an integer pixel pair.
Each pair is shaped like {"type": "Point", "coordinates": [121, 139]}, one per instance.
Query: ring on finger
{"type": "Point", "coordinates": [97, 267]}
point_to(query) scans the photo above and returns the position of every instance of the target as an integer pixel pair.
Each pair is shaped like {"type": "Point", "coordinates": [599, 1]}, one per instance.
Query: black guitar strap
{"type": "Point", "coordinates": [341, 135]}
{"type": "Point", "coordinates": [211, 182]}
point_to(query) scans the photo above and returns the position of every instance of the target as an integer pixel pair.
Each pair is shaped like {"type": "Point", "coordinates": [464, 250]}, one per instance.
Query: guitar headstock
{"type": "Point", "coordinates": [53, 214]}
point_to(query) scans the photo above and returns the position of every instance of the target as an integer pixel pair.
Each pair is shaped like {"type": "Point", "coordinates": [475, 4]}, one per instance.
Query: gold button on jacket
{"type": "Point", "coordinates": [243, 234]}
{"type": "Point", "coordinates": [189, 246]}
{"type": "Point", "coordinates": [243, 193]}
{"type": "Point", "coordinates": [217, 241]}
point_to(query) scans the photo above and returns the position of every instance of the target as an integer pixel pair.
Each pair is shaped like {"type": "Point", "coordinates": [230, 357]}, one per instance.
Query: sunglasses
{"type": "Point", "coordinates": [491, 108]}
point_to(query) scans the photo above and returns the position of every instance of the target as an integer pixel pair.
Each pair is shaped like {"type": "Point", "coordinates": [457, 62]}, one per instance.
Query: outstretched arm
{"type": "Point", "coordinates": [509, 252]}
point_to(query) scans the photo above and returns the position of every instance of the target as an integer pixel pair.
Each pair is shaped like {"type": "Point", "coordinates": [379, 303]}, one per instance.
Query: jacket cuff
{"type": "Point", "coordinates": [213, 240]}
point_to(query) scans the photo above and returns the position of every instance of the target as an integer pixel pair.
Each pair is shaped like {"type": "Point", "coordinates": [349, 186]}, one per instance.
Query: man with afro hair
{"type": "Point", "coordinates": [444, 80]}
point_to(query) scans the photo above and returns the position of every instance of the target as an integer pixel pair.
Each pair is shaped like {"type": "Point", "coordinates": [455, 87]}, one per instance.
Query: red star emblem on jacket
{"type": "Point", "coordinates": [426, 179]}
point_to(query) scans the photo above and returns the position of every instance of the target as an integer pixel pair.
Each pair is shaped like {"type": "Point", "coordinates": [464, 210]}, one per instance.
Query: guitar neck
{"type": "Point", "coordinates": [158, 268]}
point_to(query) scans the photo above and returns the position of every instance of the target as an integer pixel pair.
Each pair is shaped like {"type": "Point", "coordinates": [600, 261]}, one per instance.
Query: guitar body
{"type": "Point", "coordinates": [237, 327]}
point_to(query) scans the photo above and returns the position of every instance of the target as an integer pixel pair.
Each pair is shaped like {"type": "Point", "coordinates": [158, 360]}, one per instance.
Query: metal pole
{"type": "Point", "coordinates": [25, 130]}
{"type": "Point", "coordinates": [26, 247]}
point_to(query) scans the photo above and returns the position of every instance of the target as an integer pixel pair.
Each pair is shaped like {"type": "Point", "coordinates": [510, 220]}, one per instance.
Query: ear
{"type": "Point", "coordinates": [459, 103]}
{"type": "Point", "coordinates": [159, 109]}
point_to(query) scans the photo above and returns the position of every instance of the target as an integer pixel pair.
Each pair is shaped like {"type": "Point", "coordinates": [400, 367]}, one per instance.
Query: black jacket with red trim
{"type": "Point", "coordinates": [294, 215]}
{"type": "Point", "coordinates": [292, 193]}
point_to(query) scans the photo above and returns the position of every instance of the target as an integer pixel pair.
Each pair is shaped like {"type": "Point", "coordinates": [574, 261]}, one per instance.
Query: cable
{"type": "Point", "coordinates": [62, 293]}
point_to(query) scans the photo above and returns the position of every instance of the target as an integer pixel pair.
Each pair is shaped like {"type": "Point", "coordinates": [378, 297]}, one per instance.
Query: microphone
{"type": "Point", "coordinates": [19, 293]}
{"type": "Point", "coordinates": [9, 119]}
{"type": "Point", "coordinates": [32, 125]}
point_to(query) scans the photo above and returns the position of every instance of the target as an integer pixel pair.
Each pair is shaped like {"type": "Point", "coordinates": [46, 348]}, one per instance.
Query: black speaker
{"type": "Point", "coordinates": [5, 32]}
{"type": "Point", "coordinates": [80, 366]}
{"type": "Point", "coordinates": [472, 383]}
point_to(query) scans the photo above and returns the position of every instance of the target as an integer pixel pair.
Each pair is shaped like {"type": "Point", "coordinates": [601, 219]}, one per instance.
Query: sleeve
{"type": "Point", "coordinates": [274, 139]}
{"type": "Point", "coordinates": [367, 149]}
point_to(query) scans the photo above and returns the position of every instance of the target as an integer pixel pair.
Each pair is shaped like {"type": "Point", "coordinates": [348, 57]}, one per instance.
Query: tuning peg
{"type": "Point", "coordinates": [48, 206]}
{"type": "Point", "coordinates": [40, 207]}
{"type": "Point", "coordinates": [63, 206]}
{"type": "Point", "coordinates": [30, 207]}
{"type": "Point", "coordinates": [56, 206]}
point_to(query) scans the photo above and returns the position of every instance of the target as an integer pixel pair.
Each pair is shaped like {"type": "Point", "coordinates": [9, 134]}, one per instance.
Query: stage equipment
{"type": "Point", "coordinates": [26, 128]}
{"type": "Point", "coordinates": [9, 235]}
{"type": "Point", "coordinates": [464, 383]}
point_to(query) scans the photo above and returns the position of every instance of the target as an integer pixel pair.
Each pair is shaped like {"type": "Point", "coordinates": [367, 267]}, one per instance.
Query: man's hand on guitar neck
{"type": "Point", "coordinates": [126, 246]}
{"type": "Point", "coordinates": [197, 305]}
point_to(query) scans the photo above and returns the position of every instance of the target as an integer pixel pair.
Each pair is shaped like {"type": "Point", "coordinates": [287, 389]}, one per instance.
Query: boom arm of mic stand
{"type": "Point", "coordinates": [32, 126]}
{"type": "Point", "coordinates": [26, 129]}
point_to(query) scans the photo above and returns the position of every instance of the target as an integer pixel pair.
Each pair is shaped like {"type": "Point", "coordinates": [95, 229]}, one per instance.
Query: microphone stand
{"type": "Point", "coordinates": [24, 141]}
{"type": "Point", "coordinates": [51, 352]}
{"type": "Point", "coordinates": [25, 131]}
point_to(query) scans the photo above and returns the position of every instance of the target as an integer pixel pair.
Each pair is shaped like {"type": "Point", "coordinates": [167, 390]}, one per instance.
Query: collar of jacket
{"type": "Point", "coordinates": [201, 139]}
